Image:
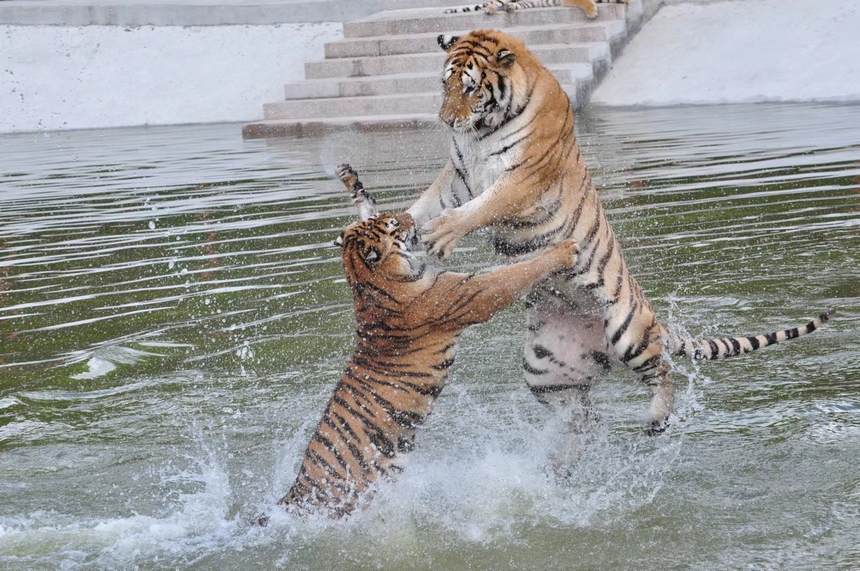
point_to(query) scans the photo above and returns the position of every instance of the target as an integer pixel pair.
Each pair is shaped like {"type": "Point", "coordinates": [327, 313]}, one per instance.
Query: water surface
{"type": "Point", "coordinates": [173, 318]}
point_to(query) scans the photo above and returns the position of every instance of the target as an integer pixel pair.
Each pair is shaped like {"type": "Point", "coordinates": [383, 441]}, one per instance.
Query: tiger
{"type": "Point", "coordinates": [515, 166]}
{"type": "Point", "coordinates": [409, 318]}
{"type": "Point", "coordinates": [588, 6]}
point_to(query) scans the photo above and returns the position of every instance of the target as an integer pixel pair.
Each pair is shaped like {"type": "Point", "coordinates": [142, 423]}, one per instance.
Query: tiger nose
{"type": "Point", "coordinates": [447, 115]}
{"type": "Point", "coordinates": [452, 107]}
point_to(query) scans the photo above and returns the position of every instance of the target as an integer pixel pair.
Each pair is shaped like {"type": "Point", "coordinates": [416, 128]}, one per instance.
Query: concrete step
{"type": "Point", "coordinates": [575, 79]}
{"type": "Point", "coordinates": [613, 31]}
{"type": "Point", "coordinates": [195, 12]}
{"type": "Point", "coordinates": [357, 86]}
{"type": "Point", "coordinates": [548, 54]}
{"type": "Point", "coordinates": [384, 75]}
{"type": "Point", "coordinates": [426, 20]}
{"type": "Point", "coordinates": [421, 103]}
{"type": "Point", "coordinates": [413, 118]}
{"type": "Point", "coordinates": [402, 83]}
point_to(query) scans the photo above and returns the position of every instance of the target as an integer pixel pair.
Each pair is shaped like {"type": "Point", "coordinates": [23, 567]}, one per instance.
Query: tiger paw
{"type": "Point", "coordinates": [349, 177]}
{"type": "Point", "coordinates": [363, 200]}
{"type": "Point", "coordinates": [261, 520]}
{"type": "Point", "coordinates": [590, 10]}
{"type": "Point", "coordinates": [657, 426]}
{"type": "Point", "coordinates": [442, 233]}
{"type": "Point", "coordinates": [567, 252]}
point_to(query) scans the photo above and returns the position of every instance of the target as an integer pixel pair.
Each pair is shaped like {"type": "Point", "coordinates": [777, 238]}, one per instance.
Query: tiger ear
{"type": "Point", "coordinates": [446, 42]}
{"type": "Point", "coordinates": [339, 241]}
{"type": "Point", "coordinates": [506, 58]}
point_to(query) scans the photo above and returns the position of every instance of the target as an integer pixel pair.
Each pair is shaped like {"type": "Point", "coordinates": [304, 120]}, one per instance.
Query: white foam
{"type": "Point", "coordinates": [97, 368]}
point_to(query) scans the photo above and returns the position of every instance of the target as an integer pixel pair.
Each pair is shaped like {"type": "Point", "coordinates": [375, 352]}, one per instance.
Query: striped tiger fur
{"type": "Point", "coordinates": [409, 318]}
{"type": "Point", "coordinates": [589, 6]}
{"type": "Point", "coordinates": [515, 166]}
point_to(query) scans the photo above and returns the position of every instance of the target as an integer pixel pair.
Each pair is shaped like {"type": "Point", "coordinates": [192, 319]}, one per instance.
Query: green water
{"type": "Point", "coordinates": [173, 318]}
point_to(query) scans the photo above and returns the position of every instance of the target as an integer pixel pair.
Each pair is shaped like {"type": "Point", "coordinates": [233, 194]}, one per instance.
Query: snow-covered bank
{"type": "Point", "coordinates": [60, 77]}
{"type": "Point", "coordinates": [740, 51]}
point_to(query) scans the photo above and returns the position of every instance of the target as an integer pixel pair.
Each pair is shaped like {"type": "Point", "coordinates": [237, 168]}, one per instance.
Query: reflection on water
{"type": "Point", "coordinates": [173, 316]}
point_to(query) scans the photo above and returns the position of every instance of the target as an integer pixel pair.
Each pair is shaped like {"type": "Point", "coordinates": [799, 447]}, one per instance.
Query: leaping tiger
{"type": "Point", "coordinates": [409, 319]}
{"type": "Point", "coordinates": [515, 166]}
{"type": "Point", "coordinates": [589, 6]}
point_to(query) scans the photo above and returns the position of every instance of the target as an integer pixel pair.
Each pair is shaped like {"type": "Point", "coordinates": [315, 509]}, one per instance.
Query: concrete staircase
{"type": "Point", "coordinates": [385, 73]}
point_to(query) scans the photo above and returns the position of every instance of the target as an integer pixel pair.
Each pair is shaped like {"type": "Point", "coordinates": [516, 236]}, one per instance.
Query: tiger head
{"type": "Point", "coordinates": [378, 249]}
{"type": "Point", "coordinates": [486, 80]}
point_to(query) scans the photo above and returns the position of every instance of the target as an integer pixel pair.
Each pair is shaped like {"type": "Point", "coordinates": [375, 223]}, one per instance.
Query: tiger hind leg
{"type": "Point", "coordinates": [636, 337]}
{"type": "Point", "coordinates": [580, 419]}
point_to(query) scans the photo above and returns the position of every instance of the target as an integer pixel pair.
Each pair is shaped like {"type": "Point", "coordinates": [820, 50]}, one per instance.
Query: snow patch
{"type": "Point", "coordinates": [740, 52]}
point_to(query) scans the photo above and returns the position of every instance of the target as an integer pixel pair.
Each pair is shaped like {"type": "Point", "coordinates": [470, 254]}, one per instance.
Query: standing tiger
{"type": "Point", "coordinates": [589, 6]}
{"type": "Point", "coordinates": [409, 318]}
{"type": "Point", "coordinates": [515, 166]}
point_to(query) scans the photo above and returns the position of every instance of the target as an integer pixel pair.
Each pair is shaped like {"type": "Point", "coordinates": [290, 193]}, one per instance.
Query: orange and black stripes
{"type": "Point", "coordinates": [725, 347]}
{"type": "Point", "coordinates": [409, 318]}
{"type": "Point", "coordinates": [514, 149]}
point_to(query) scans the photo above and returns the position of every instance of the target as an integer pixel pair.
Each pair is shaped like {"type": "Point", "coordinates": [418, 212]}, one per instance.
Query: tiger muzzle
{"type": "Point", "coordinates": [407, 228]}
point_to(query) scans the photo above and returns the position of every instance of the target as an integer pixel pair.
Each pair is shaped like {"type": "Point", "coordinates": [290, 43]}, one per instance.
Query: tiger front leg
{"type": "Point", "coordinates": [493, 291]}
{"type": "Point", "coordinates": [436, 198]}
{"type": "Point", "coordinates": [507, 197]}
{"type": "Point", "coordinates": [443, 232]}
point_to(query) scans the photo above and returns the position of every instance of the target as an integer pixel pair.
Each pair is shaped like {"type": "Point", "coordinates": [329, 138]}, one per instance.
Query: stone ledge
{"type": "Point", "coordinates": [316, 127]}
{"type": "Point", "coordinates": [192, 12]}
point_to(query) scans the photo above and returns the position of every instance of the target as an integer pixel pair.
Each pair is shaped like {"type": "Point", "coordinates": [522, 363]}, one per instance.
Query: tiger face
{"type": "Point", "coordinates": [380, 244]}
{"type": "Point", "coordinates": [483, 80]}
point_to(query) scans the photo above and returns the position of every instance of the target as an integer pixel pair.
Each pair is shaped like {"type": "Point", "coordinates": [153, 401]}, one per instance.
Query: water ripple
{"type": "Point", "coordinates": [173, 315]}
